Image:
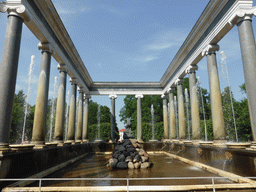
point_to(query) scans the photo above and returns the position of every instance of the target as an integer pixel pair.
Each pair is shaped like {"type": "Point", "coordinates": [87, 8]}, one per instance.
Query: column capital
{"type": "Point", "coordinates": [80, 89]}
{"type": "Point", "coordinates": [210, 48]}
{"type": "Point", "coordinates": [87, 97]}
{"type": "Point", "coordinates": [242, 14]}
{"type": "Point", "coordinates": [179, 81]}
{"type": "Point", "coordinates": [164, 96]}
{"type": "Point", "coordinates": [171, 90]}
{"type": "Point", "coordinates": [192, 68]}
{"type": "Point", "coordinates": [113, 96]}
{"type": "Point", "coordinates": [14, 8]}
{"type": "Point", "coordinates": [62, 67]}
{"type": "Point", "coordinates": [73, 81]}
{"type": "Point", "coordinates": [46, 47]}
{"type": "Point", "coordinates": [139, 96]}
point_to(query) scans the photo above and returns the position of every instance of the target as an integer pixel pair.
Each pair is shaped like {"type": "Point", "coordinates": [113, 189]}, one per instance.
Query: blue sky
{"type": "Point", "coordinates": [127, 40]}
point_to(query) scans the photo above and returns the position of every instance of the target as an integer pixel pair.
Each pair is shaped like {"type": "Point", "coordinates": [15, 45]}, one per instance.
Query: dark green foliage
{"type": "Point", "coordinates": [17, 117]}
{"type": "Point", "coordinates": [209, 129]}
{"type": "Point", "coordinates": [104, 131]}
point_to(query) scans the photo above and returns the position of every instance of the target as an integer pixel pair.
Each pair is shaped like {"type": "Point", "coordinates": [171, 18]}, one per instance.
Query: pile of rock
{"type": "Point", "coordinates": [128, 154]}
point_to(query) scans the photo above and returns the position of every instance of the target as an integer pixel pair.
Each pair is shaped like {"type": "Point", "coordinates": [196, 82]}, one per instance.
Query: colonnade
{"type": "Point", "coordinates": [248, 50]}
{"type": "Point", "coordinates": [8, 74]}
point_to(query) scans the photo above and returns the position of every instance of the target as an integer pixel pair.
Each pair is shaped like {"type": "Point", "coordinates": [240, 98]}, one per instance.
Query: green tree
{"type": "Point", "coordinates": [17, 117]}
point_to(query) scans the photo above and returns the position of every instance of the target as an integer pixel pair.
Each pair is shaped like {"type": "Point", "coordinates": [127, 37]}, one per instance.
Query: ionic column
{"type": "Point", "coordinates": [113, 116]}
{"type": "Point", "coordinates": [195, 118]}
{"type": "Point", "coordinates": [39, 127]}
{"type": "Point", "coordinates": [248, 50]}
{"type": "Point", "coordinates": [172, 114]}
{"type": "Point", "coordinates": [182, 118]}
{"type": "Point", "coordinates": [72, 112]}
{"type": "Point", "coordinates": [86, 116]}
{"type": "Point", "coordinates": [8, 70]}
{"type": "Point", "coordinates": [80, 116]}
{"type": "Point", "coordinates": [60, 109]}
{"type": "Point", "coordinates": [139, 121]}
{"type": "Point", "coordinates": [216, 103]}
{"type": "Point", "coordinates": [165, 116]}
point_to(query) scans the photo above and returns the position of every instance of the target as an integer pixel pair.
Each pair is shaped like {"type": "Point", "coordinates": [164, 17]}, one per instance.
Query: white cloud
{"type": "Point", "coordinates": [147, 58]}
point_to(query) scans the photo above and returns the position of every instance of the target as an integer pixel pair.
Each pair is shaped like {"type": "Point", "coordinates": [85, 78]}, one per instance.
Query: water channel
{"type": "Point", "coordinates": [94, 166]}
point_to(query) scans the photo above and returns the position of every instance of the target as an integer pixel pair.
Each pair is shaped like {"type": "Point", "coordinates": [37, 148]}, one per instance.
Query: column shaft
{"type": "Point", "coordinates": [182, 118]}
{"type": "Point", "coordinates": [139, 121]}
{"type": "Point", "coordinates": [60, 109]}
{"type": "Point", "coordinates": [72, 114]}
{"type": "Point", "coordinates": [172, 116]}
{"type": "Point", "coordinates": [216, 103]}
{"type": "Point", "coordinates": [195, 118]}
{"type": "Point", "coordinates": [38, 136]}
{"type": "Point", "coordinates": [80, 118]}
{"type": "Point", "coordinates": [85, 122]}
{"type": "Point", "coordinates": [8, 75]}
{"type": "Point", "coordinates": [165, 117]}
{"type": "Point", "coordinates": [113, 116]}
{"type": "Point", "coordinates": [248, 49]}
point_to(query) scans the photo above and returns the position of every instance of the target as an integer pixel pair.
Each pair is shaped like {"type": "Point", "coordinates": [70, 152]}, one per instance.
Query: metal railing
{"type": "Point", "coordinates": [123, 179]}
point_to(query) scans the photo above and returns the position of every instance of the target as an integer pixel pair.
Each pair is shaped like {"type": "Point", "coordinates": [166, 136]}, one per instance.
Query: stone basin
{"type": "Point", "coordinates": [238, 145]}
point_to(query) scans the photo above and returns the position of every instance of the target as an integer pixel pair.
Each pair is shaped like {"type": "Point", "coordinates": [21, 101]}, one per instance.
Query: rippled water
{"type": "Point", "coordinates": [94, 166]}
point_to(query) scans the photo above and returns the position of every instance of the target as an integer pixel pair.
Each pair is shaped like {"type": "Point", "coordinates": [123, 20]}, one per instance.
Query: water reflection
{"type": "Point", "coordinates": [94, 166]}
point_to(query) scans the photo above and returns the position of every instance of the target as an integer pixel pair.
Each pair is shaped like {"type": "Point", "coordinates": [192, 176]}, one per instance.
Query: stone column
{"type": "Point", "coordinates": [248, 49]}
{"type": "Point", "coordinates": [172, 125]}
{"type": "Point", "coordinates": [60, 109]}
{"type": "Point", "coordinates": [195, 118]}
{"type": "Point", "coordinates": [139, 121]}
{"type": "Point", "coordinates": [72, 113]}
{"type": "Point", "coordinates": [39, 127]}
{"type": "Point", "coordinates": [165, 117]}
{"type": "Point", "coordinates": [86, 116]}
{"type": "Point", "coordinates": [80, 116]}
{"type": "Point", "coordinates": [8, 73]}
{"type": "Point", "coordinates": [113, 116]}
{"type": "Point", "coordinates": [182, 118]}
{"type": "Point", "coordinates": [216, 103]}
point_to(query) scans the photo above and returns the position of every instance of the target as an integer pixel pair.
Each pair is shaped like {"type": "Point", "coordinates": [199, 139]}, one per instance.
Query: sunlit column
{"type": "Point", "coordinates": [195, 118]}
{"type": "Point", "coordinates": [216, 103]}
{"type": "Point", "coordinates": [86, 116]}
{"type": "Point", "coordinates": [172, 125]}
{"type": "Point", "coordinates": [8, 70]}
{"type": "Point", "coordinates": [80, 116]}
{"type": "Point", "coordinates": [60, 108]}
{"type": "Point", "coordinates": [139, 118]}
{"type": "Point", "coordinates": [39, 127]}
{"type": "Point", "coordinates": [248, 49]}
{"type": "Point", "coordinates": [182, 118]}
{"type": "Point", "coordinates": [113, 116]}
{"type": "Point", "coordinates": [72, 113]}
{"type": "Point", "coordinates": [165, 116]}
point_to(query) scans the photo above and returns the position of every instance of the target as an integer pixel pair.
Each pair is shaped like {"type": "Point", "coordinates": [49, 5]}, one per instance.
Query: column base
{"type": "Point", "coordinates": [38, 144]}
{"type": "Point", "coordinates": [78, 142]}
{"type": "Point", "coordinates": [51, 144]}
{"type": "Point", "coordinates": [4, 148]}
{"type": "Point", "coordinates": [140, 141]}
{"type": "Point", "coordinates": [166, 140]}
{"type": "Point", "coordinates": [22, 147]}
{"type": "Point", "coordinates": [86, 141]}
{"type": "Point", "coordinates": [153, 140]}
{"type": "Point", "coordinates": [219, 143]}
{"type": "Point", "coordinates": [70, 142]}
